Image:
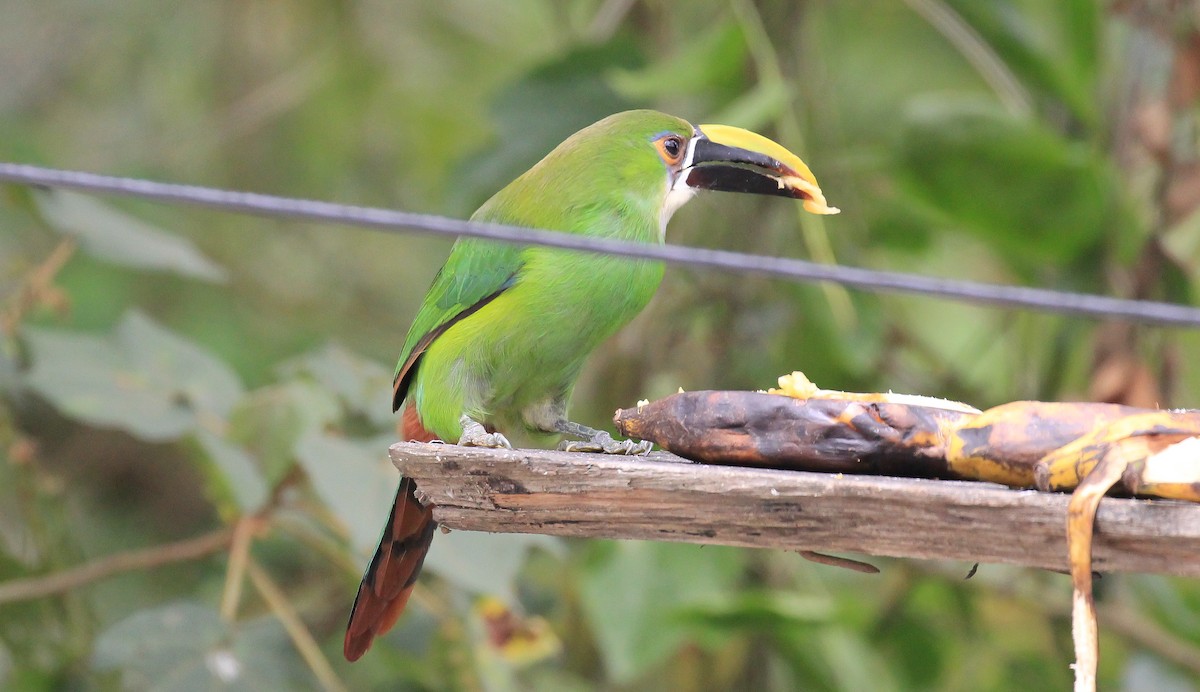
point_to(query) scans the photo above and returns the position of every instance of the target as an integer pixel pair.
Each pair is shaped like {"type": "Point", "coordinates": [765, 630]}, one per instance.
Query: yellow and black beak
{"type": "Point", "coordinates": [731, 159]}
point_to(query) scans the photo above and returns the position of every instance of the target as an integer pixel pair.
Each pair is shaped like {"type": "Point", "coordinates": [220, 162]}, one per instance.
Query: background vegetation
{"type": "Point", "coordinates": [195, 404]}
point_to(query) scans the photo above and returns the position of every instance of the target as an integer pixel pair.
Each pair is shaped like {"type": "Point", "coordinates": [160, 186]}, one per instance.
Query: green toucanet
{"type": "Point", "coordinates": [504, 330]}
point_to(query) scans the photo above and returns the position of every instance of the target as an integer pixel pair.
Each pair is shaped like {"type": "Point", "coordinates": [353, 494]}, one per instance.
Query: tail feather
{"type": "Point", "coordinates": [389, 580]}
{"type": "Point", "coordinates": [411, 428]}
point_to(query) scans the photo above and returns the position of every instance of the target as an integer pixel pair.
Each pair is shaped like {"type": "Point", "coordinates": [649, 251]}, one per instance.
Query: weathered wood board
{"type": "Point", "coordinates": [662, 497]}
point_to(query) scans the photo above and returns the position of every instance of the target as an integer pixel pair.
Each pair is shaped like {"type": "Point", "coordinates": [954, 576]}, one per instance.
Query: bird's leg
{"type": "Point", "coordinates": [475, 435]}
{"type": "Point", "coordinates": [597, 440]}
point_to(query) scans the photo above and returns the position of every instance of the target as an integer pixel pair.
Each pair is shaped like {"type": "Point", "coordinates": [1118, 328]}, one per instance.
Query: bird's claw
{"type": "Point", "coordinates": [475, 435]}
{"type": "Point", "coordinates": [604, 443]}
{"type": "Point", "coordinates": [494, 440]}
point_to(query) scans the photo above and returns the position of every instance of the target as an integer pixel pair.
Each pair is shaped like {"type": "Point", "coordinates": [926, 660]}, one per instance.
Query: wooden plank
{"type": "Point", "coordinates": [665, 498]}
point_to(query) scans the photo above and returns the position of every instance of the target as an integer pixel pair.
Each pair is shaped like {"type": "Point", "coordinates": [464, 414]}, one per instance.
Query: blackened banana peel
{"type": "Point", "coordinates": [1092, 449]}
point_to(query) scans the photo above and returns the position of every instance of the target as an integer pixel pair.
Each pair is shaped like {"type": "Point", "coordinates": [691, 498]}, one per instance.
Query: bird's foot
{"type": "Point", "coordinates": [598, 441]}
{"type": "Point", "coordinates": [475, 435]}
{"type": "Point", "coordinates": [606, 445]}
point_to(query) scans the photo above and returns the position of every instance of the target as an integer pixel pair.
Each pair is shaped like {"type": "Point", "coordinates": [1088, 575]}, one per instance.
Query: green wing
{"type": "Point", "coordinates": [475, 273]}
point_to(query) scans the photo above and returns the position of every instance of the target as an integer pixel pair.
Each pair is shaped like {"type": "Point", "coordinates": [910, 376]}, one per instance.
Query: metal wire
{"type": "Point", "coordinates": [1104, 307]}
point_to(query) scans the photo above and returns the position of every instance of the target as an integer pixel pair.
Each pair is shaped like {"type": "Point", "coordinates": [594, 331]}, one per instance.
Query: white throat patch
{"type": "Point", "coordinates": [679, 193]}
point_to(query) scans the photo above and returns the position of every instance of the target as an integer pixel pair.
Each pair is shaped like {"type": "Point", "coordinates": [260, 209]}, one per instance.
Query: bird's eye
{"type": "Point", "coordinates": [671, 148]}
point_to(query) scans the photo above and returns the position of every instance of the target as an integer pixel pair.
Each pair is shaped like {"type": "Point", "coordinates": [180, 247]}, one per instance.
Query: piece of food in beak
{"type": "Point", "coordinates": [731, 159]}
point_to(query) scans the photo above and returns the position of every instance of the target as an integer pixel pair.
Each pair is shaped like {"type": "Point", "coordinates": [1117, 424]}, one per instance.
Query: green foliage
{"type": "Point", "coordinates": [634, 594]}
{"type": "Point", "coordinates": [235, 481]}
{"type": "Point", "coordinates": [1057, 202]}
{"type": "Point", "coordinates": [486, 563]}
{"type": "Point", "coordinates": [572, 92]}
{"type": "Point", "coordinates": [186, 646]}
{"type": "Point", "coordinates": [166, 372]}
{"type": "Point", "coordinates": [351, 479]}
{"type": "Point", "coordinates": [116, 237]}
{"type": "Point", "coordinates": [140, 378]}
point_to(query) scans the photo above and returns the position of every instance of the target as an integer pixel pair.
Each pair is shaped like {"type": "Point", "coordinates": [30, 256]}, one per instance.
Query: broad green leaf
{"type": "Point", "coordinates": [1053, 48]}
{"type": "Point", "coordinates": [363, 385]}
{"type": "Point", "coordinates": [1146, 672]}
{"type": "Point", "coordinates": [116, 237]}
{"type": "Point", "coordinates": [8, 372]}
{"type": "Point", "coordinates": [6, 665]}
{"type": "Point", "coordinates": [537, 112]}
{"type": "Point", "coordinates": [90, 379]}
{"type": "Point", "coordinates": [963, 339]}
{"type": "Point", "coordinates": [140, 378]}
{"type": "Point", "coordinates": [169, 631]}
{"type": "Point", "coordinates": [1082, 30]}
{"type": "Point", "coordinates": [760, 609]}
{"type": "Point", "coordinates": [186, 646]}
{"type": "Point", "coordinates": [1024, 189]}
{"type": "Point", "coordinates": [354, 479]}
{"type": "Point", "coordinates": [712, 62]}
{"type": "Point", "coordinates": [755, 108]}
{"type": "Point", "coordinates": [547, 679]}
{"type": "Point", "coordinates": [863, 83]}
{"type": "Point", "coordinates": [486, 562]}
{"type": "Point", "coordinates": [206, 382]}
{"type": "Point", "coordinates": [1181, 242]}
{"type": "Point", "coordinates": [854, 662]}
{"type": "Point", "coordinates": [234, 476]}
{"type": "Point", "coordinates": [271, 420]}
{"type": "Point", "coordinates": [636, 594]}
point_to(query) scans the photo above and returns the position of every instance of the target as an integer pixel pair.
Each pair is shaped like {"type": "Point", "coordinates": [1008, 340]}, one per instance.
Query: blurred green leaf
{"type": "Point", "coordinates": [140, 378]}
{"type": "Point", "coordinates": [90, 379]}
{"type": "Point", "coordinates": [6, 665]}
{"type": "Point", "coordinates": [354, 479]}
{"type": "Point", "coordinates": [759, 609]}
{"type": "Point", "coordinates": [364, 386]}
{"type": "Point", "coordinates": [1148, 673]}
{"type": "Point", "coordinates": [711, 64]}
{"type": "Point", "coordinates": [1053, 47]}
{"type": "Point", "coordinates": [537, 112]}
{"type": "Point", "coordinates": [205, 382]}
{"type": "Point", "coordinates": [756, 108]}
{"type": "Point", "coordinates": [1021, 187]}
{"type": "Point", "coordinates": [486, 562]}
{"type": "Point", "coordinates": [1166, 599]}
{"type": "Point", "coordinates": [545, 679]}
{"type": "Point", "coordinates": [8, 373]}
{"type": "Point", "coordinates": [186, 646]}
{"type": "Point", "coordinates": [271, 420]}
{"type": "Point", "coordinates": [235, 477]}
{"type": "Point", "coordinates": [854, 662]}
{"type": "Point", "coordinates": [119, 238]}
{"type": "Point", "coordinates": [1181, 242]}
{"type": "Point", "coordinates": [636, 592]}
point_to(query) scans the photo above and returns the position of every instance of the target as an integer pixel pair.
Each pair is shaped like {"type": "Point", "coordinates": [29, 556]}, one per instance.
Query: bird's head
{"type": "Point", "coordinates": [654, 162]}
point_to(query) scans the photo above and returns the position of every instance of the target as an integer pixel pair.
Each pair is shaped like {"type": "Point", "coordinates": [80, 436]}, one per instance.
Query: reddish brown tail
{"type": "Point", "coordinates": [389, 580]}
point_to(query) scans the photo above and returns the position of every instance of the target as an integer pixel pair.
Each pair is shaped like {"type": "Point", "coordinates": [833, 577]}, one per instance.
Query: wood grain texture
{"type": "Point", "coordinates": [665, 498]}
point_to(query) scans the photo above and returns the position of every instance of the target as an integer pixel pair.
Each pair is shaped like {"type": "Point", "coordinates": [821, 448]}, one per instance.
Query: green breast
{"type": "Point", "coordinates": [530, 342]}
{"type": "Point", "coordinates": [563, 306]}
